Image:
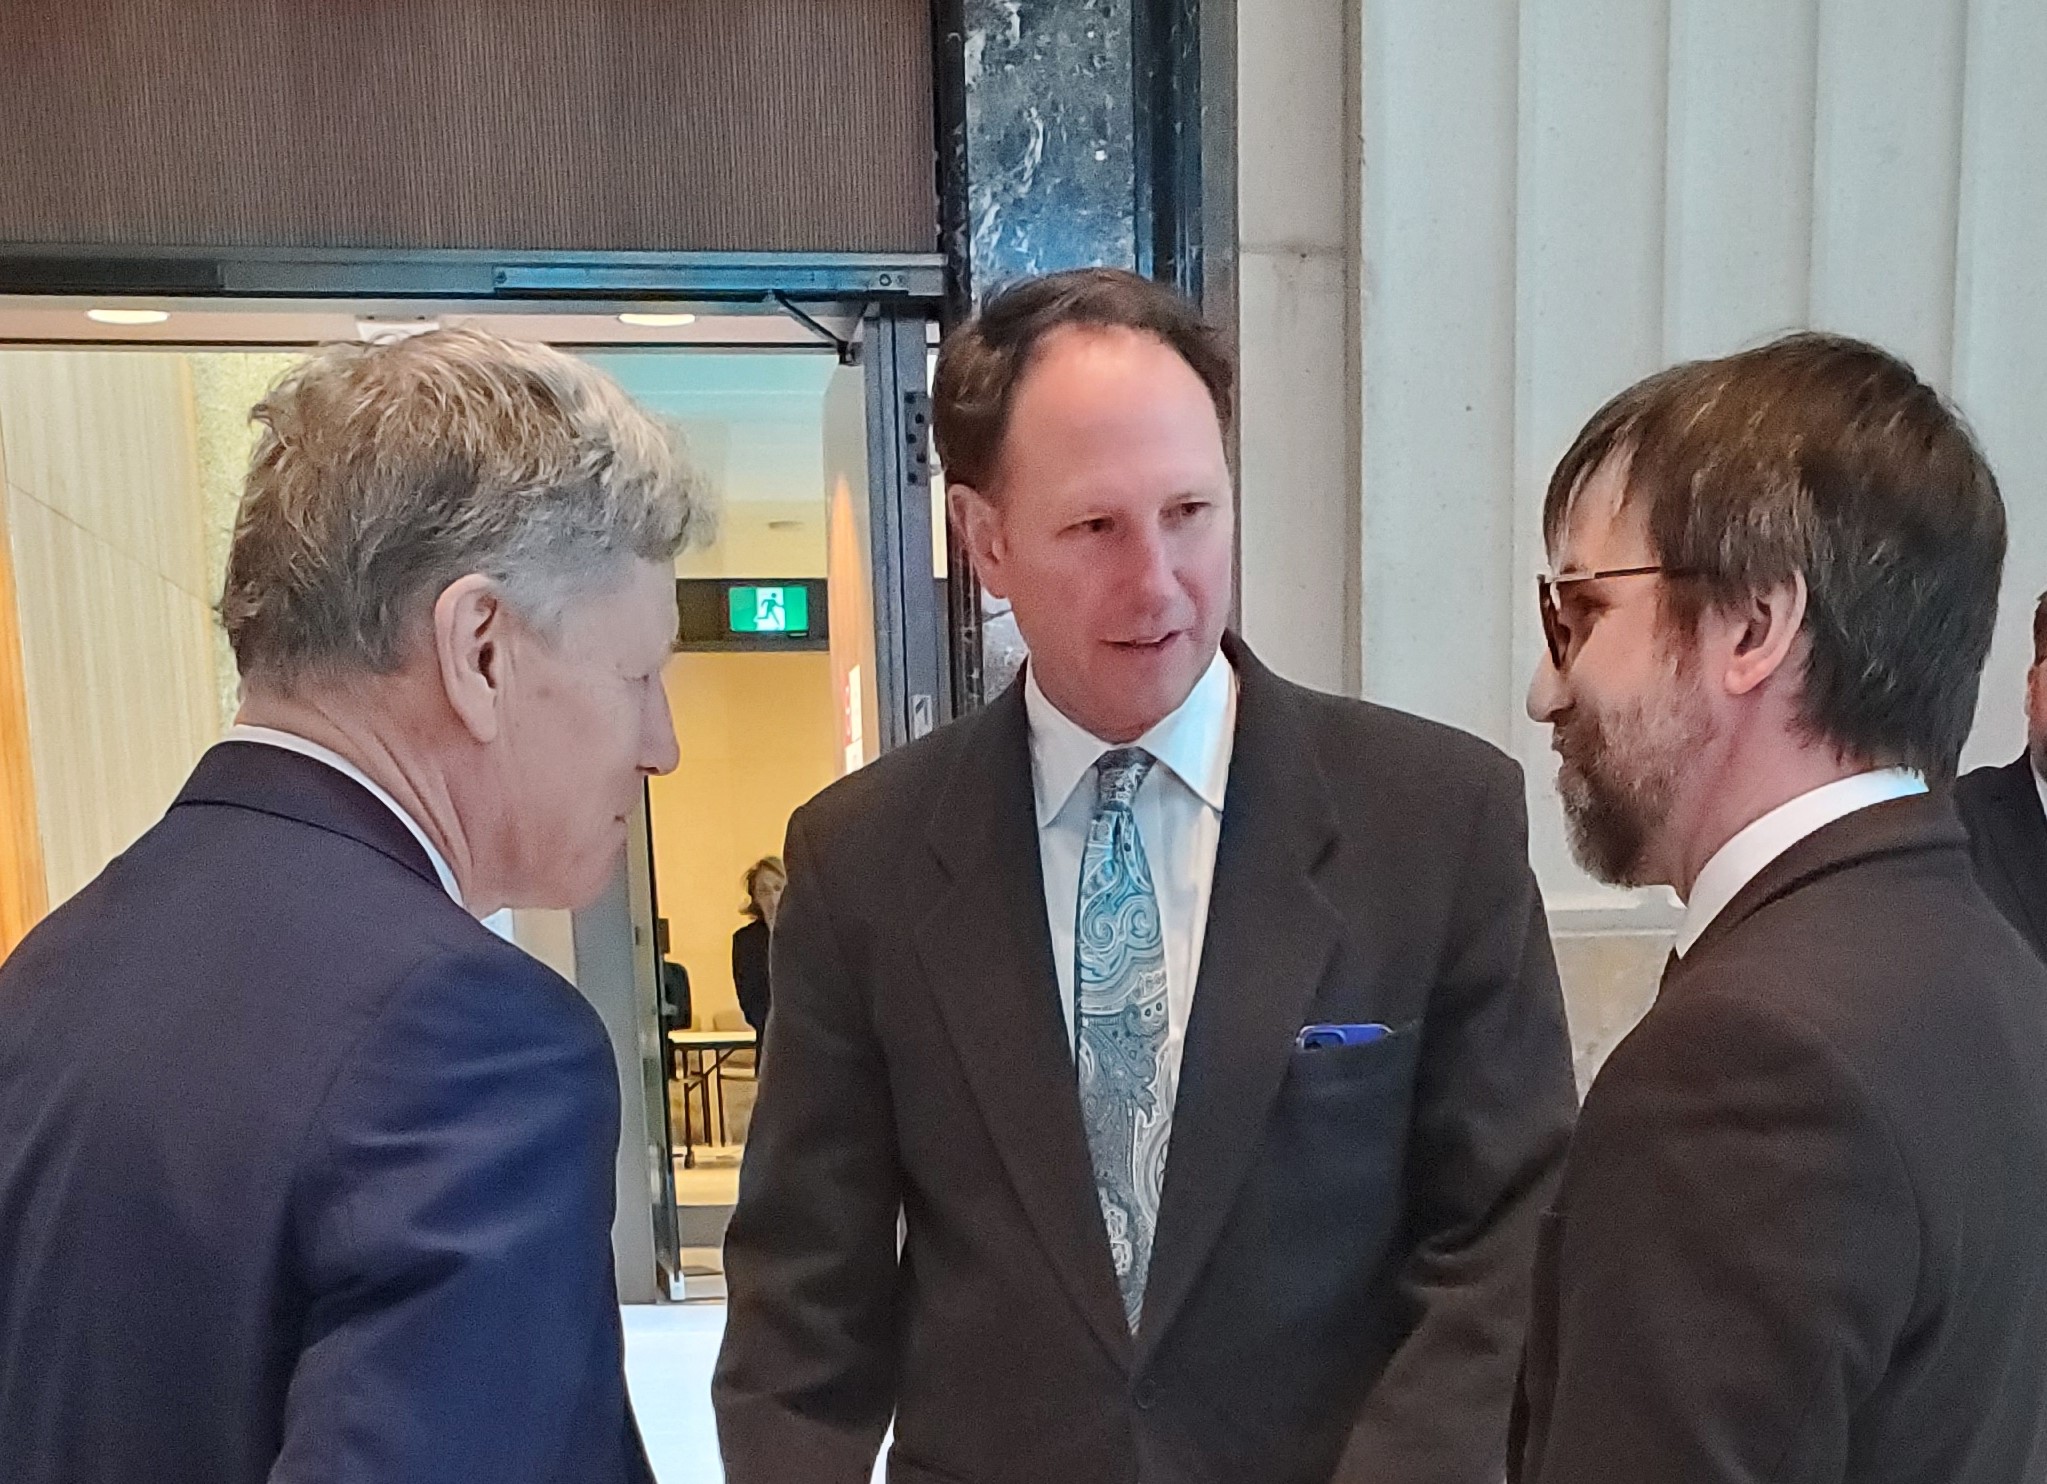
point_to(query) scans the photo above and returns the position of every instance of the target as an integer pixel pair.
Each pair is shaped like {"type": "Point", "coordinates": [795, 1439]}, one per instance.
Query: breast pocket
{"type": "Point", "coordinates": [1343, 1118]}
{"type": "Point", "coordinates": [1329, 1195]}
{"type": "Point", "coordinates": [1384, 1067]}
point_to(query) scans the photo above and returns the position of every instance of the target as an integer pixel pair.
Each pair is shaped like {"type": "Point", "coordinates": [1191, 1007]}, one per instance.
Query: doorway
{"type": "Point", "coordinates": [124, 440]}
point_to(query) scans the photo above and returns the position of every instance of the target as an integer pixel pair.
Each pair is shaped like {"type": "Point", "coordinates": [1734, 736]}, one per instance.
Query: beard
{"type": "Point", "coordinates": [1619, 772]}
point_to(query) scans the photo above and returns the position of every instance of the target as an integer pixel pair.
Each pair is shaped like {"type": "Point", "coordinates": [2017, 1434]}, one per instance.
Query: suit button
{"type": "Point", "coordinates": [1146, 1395]}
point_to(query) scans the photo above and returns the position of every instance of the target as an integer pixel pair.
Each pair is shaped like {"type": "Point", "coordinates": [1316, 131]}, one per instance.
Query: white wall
{"type": "Point", "coordinates": [1297, 295]}
{"type": "Point", "coordinates": [1554, 198]}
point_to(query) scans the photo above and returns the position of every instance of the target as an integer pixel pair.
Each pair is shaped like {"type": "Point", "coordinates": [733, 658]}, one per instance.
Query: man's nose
{"type": "Point", "coordinates": [1545, 692]}
{"type": "Point", "coordinates": [1148, 568]}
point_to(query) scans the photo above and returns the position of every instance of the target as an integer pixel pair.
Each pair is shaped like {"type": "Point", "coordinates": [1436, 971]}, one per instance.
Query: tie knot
{"type": "Point", "coordinates": [1119, 774]}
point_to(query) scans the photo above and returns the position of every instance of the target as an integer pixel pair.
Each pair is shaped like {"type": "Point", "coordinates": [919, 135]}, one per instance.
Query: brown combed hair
{"type": "Point", "coordinates": [982, 363]}
{"type": "Point", "coordinates": [1826, 456]}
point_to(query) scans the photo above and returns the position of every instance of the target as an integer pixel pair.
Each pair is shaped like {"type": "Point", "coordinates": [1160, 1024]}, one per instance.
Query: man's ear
{"type": "Point", "coordinates": [979, 522]}
{"type": "Point", "coordinates": [1768, 627]}
{"type": "Point", "coordinates": [470, 621]}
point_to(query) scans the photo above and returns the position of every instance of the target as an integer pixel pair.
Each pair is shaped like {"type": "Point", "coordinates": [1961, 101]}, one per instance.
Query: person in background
{"type": "Point", "coordinates": [304, 1173]}
{"type": "Point", "coordinates": [674, 1008]}
{"type": "Point", "coordinates": [675, 994]}
{"type": "Point", "coordinates": [1170, 1066]}
{"type": "Point", "coordinates": [1802, 1232]}
{"type": "Point", "coordinates": [765, 880]}
{"type": "Point", "coordinates": [2005, 811]}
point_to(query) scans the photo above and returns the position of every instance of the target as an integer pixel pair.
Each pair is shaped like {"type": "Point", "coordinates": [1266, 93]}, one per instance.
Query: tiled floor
{"type": "Point", "coordinates": [713, 1182]}
{"type": "Point", "coordinates": [704, 1199]}
{"type": "Point", "coordinates": [669, 1352]}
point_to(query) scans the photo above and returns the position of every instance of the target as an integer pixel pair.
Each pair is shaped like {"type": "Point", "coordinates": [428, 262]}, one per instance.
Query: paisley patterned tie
{"type": "Point", "coordinates": [1126, 1093]}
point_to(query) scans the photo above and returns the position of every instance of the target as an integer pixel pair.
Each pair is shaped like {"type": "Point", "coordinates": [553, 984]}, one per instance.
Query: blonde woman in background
{"type": "Point", "coordinates": [765, 879]}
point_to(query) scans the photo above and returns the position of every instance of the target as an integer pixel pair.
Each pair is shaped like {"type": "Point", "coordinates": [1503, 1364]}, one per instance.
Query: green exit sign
{"type": "Point", "coordinates": [770, 610]}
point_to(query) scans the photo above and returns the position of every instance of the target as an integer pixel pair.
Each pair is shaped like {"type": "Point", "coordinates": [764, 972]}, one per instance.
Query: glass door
{"type": "Point", "coordinates": [812, 640]}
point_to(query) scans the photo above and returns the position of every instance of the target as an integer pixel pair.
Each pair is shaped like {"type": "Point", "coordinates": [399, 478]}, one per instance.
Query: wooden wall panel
{"type": "Point", "coordinates": [516, 124]}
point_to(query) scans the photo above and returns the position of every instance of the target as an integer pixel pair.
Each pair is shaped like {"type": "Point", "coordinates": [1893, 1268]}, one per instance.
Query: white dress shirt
{"type": "Point", "coordinates": [1738, 862]}
{"type": "Point", "coordinates": [292, 742]}
{"type": "Point", "coordinates": [1179, 811]}
{"type": "Point", "coordinates": [2040, 782]}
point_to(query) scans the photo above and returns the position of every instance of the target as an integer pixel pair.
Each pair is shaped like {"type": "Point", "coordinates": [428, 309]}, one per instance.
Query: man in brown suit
{"type": "Point", "coordinates": [1802, 1232]}
{"type": "Point", "coordinates": [1168, 1066]}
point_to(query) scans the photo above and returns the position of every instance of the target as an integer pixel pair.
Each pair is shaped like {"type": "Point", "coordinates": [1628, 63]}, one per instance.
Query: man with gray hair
{"type": "Point", "coordinates": [305, 1174]}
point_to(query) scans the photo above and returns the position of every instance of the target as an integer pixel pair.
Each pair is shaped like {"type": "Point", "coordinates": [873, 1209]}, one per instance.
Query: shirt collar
{"type": "Point", "coordinates": [292, 742]}
{"type": "Point", "coordinates": [1193, 742]}
{"type": "Point", "coordinates": [1738, 862]}
{"type": "Point", "coordinates": [2040, 783]}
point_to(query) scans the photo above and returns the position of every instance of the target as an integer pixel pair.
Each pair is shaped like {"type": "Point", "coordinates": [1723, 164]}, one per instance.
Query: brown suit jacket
{"type": "Point", "coordinates": [1802, 1235]}
{"type": "Point", "coordinates": [1340, 1276]}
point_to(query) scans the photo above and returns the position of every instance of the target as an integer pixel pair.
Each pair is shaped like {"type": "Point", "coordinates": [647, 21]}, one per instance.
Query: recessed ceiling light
{"type": "Point", "coordinates": [127, 316]}
{"type": "Point", "coordinates": [656, 321]}
{"type": "Point", "coordinates": [374, 331]}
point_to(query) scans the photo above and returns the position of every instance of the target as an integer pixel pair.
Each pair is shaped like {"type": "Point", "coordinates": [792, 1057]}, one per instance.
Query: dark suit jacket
{"type": "Point", "coordinates": [750, 973]}
{"type": "Point", "coordinates": [304, 1174]}
{"type": "Point", "coordinates": [2000, 808]}
{"type": "Point", "coordinates": [1802, 1235]}
{"type": "Point", "coordinates": [1339, 1279]}
{"type": "Point", "coordinates": [676, 1010]}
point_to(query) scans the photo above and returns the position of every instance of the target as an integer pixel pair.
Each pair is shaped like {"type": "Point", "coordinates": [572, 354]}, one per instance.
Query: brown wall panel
{"type": "Point", "coordinates": [781, 125]}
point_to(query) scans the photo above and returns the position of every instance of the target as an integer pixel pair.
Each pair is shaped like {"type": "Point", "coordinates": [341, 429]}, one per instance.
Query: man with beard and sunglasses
{"type": "Point", "coordinates": [1802, 1233]}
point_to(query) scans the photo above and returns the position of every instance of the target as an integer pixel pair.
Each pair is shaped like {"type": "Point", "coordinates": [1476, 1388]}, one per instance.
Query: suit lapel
{"type": "Point", "coordinates": [987, 951]}
{"type": "Point", "coordinates": [1270, 935]}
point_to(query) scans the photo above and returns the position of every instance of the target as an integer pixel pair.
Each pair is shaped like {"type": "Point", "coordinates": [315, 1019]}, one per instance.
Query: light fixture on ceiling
{"type": "Point", "coordinates": [127, 316]}
{"type": "Point", "coordinates": [373, 331]}
{"type": "Point", "coordinates": [650, 321]}
{"type": "Point", "coordinates": [785, 525]}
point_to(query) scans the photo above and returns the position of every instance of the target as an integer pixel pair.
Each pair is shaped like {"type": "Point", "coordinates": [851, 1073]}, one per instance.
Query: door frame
{"type": "Point", "coordinates": [896, 298]}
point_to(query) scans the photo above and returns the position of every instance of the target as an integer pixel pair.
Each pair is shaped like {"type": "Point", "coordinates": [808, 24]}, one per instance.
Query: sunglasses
{"type": "Point", "coordinates": [1546, 586]}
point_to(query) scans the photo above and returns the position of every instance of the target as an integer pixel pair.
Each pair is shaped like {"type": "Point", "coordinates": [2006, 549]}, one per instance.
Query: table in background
{"type": "Point", "coordinates": [704, 1054]}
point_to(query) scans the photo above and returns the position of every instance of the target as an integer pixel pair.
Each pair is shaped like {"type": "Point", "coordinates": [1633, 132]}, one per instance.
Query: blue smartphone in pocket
{"type": "Point", "coordinates": [1313, 1037]}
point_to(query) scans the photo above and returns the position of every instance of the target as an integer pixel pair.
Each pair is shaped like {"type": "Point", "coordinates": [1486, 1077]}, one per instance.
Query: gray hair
{"type": "Point", "coordinates": [385, 472]}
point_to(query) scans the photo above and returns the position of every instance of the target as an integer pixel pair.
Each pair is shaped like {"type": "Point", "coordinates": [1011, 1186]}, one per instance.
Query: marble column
{"type": "Point", "coordinates": [1051, 128]}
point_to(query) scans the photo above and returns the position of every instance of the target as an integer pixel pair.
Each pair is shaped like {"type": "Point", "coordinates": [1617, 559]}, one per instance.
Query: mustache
{"type": "Point", "coordinates": [1576, 739]}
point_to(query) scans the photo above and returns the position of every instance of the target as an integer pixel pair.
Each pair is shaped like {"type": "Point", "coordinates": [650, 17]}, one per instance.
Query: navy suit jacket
{"type": "Point", "coordinates": [304, 1174]}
